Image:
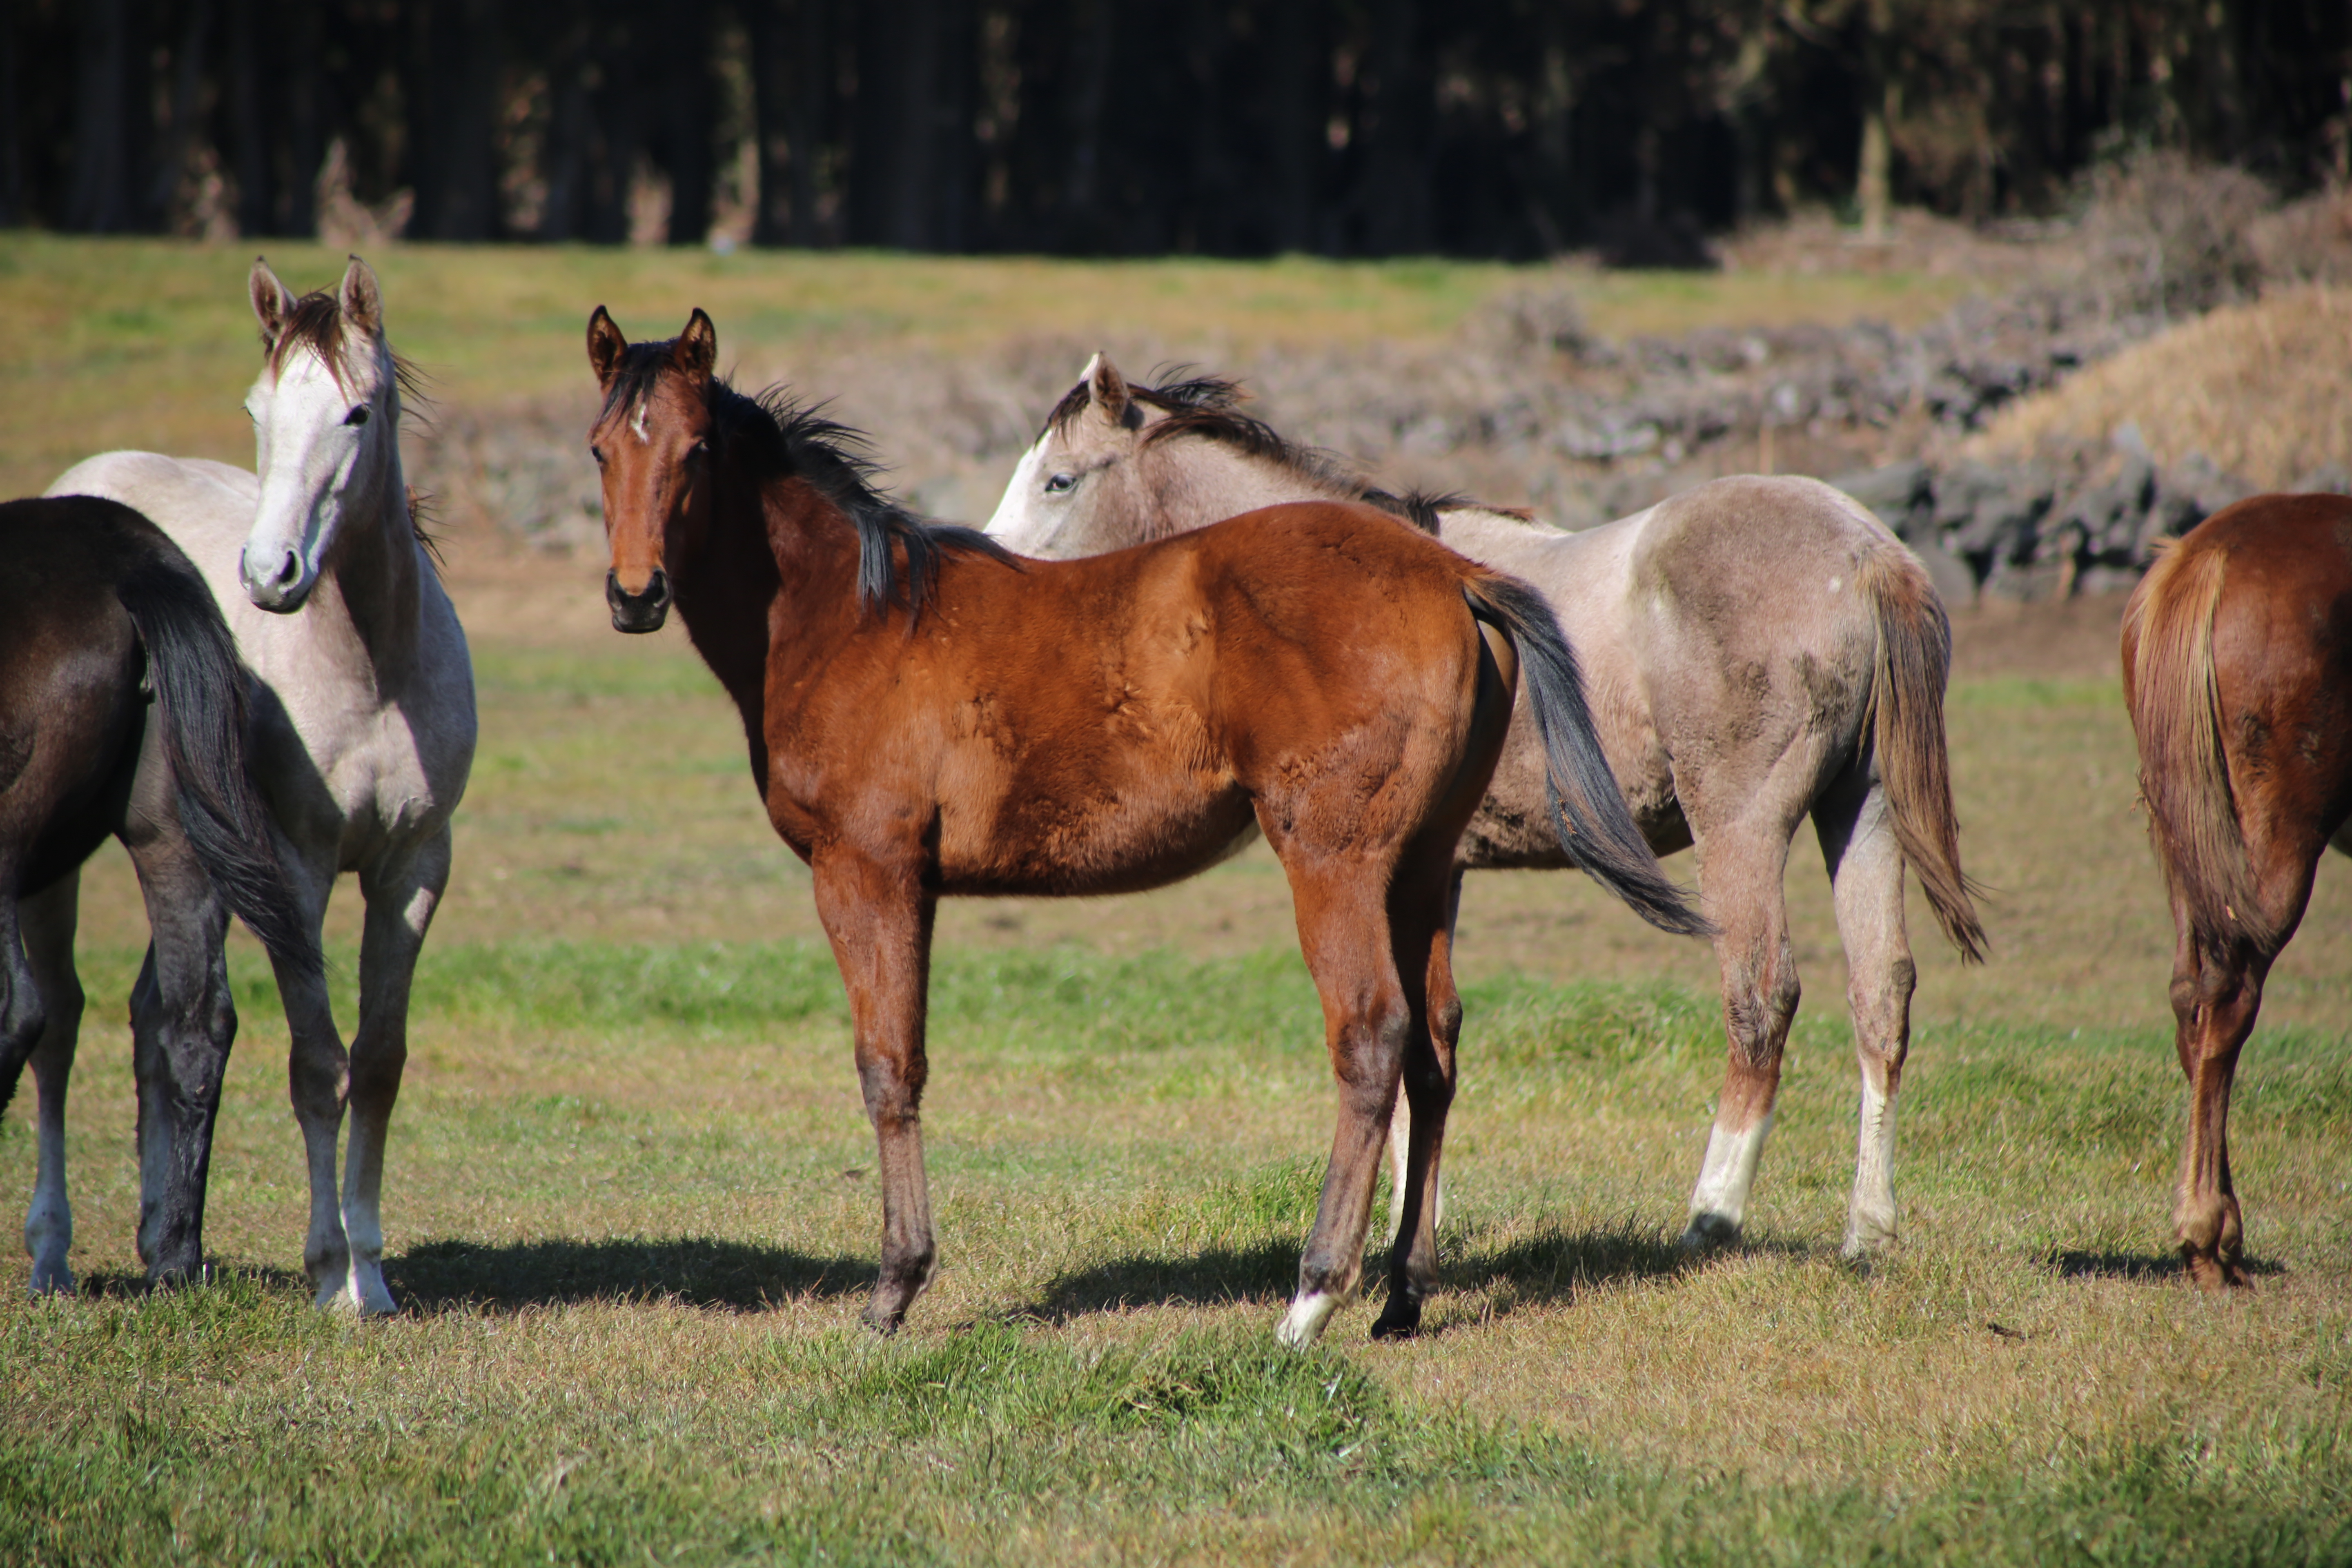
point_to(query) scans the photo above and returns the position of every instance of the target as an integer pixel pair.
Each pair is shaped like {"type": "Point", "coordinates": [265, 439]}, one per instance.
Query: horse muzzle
{"type": "Point", "coordinates": [642, 612]}
{"type": "Point", "coordinates": [276, 582]}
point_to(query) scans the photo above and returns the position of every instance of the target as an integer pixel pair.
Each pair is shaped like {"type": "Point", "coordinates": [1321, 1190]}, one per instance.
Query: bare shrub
{"type": "Point", "coordinates": [2166, 235]}
{"type": "Point", "coordinates": [2309, 241]}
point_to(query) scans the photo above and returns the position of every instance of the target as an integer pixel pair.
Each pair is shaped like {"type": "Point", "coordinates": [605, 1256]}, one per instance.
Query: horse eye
{"type": "Point", "coordinates": [597, 453]}
{"type": "Point", "coordinates": [1061, 484]}
{"type": "Point", "coordinates": [358, 416]}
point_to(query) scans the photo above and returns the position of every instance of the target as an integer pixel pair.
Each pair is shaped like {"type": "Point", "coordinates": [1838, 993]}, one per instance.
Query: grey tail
{"type": "Point", "coordinates": [1588, 809]}
{"type": "Point", "coordinates": [200, 696]}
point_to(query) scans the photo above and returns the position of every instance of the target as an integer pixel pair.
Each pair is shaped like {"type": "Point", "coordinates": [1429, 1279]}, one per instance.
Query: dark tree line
{"type": "Point", "coordinates": [1232, 127]}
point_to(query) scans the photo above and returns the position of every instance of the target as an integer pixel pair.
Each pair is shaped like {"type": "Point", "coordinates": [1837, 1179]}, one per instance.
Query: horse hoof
{"type": "Point", "coordinates": [1706, 1232]}
{"type": "Point", "coordinates": [882, 1321]}
{"type": "Point", "coordinates": [2216, 1275]}
{"type": "Point", "coordinates": [57, 1280]}
{"type": "Point", "coordinates": [1397, 1320]}
{"type": "Point", "coordinates": [1303, 1324]}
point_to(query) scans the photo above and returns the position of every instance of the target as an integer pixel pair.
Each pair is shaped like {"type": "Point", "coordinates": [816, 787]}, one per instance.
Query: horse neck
{"type": "Point", "coordinates": [774, 556]}
{"type": "Point", "coordinates": [1194, 482]}
{"type": "Point", "coordinates": [374, 566]}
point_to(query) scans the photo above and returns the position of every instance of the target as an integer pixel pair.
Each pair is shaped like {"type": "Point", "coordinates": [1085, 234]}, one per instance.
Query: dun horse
{"type": "Point", "coordinates": [2237, 653]}
{"type": "Point", "coordinates": [1760, 650]}
{"type": "Point", "coordinates": [122, 712]}
{"type": "Point", "coordinates": [926, 718]}
{"type": "Point", "coordinates": [365, 730]}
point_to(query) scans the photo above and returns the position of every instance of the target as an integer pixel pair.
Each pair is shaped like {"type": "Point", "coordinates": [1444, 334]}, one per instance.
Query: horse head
{"type": "Point", "coordinates": [1079, 491]}
{"type": "Point", "coordinates": [651, 446]}
{"type": "Point", "coordinates": [326, 420]}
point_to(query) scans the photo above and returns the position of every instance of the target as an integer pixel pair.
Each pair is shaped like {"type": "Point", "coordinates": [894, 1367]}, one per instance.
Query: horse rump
{"type": "Point", "coordinates": [2173, 692]}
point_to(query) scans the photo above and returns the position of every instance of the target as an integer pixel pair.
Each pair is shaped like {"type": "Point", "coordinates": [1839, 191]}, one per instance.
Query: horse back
{"type": "Point", "coordinates": [1105, 723]}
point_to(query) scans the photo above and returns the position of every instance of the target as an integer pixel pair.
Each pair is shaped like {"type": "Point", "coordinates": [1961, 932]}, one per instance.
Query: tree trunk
{"type": "Point", "coordinates": [12, 161]}
{"type": "Point", "coordinates": [808, 122]}
{"type": "Point", "coordinates": [1299, 68]}
{"type": "Point", "coordinates": [453, 119]}
{"type": "Point", "coordinates": [1395, 199]}
{"type": "Point", "coordinates": [690, 113]}
{"type": "Point", "coordinates": [104, 130]}
{"type": "Point", "coordinates": [181, 136]}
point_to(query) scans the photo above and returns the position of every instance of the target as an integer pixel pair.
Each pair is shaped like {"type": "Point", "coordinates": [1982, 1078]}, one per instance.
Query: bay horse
{"type": "Point", "coordinates": [122, 713]}
{"type": "Point", "coordinates": [926, 718]}
{"type": "Point", "coordinates": [1760, 650]}
{"type": "Point", "coordinates": [366, 713]}
{"type": "Point", "coordinates": [2237, 658]}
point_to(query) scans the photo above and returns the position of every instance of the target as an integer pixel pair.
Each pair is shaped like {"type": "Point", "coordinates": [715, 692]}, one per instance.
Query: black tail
{"type": "Point", "coordinates": [200, 694]}
{"type": "Point", "coordinates": [1588, 808]}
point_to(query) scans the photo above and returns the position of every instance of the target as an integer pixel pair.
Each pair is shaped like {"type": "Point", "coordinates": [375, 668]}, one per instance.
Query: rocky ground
{"type": "Point", "coordinates": [1525, 406]}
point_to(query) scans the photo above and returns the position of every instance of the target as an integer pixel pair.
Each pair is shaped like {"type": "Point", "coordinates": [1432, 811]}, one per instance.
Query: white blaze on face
{"type": "Point", "coordinates": [1015, 524]}
{"type": "Point", "coordinates": [637, 421]}
{"type": "Point", "coordinates": [307, 457]}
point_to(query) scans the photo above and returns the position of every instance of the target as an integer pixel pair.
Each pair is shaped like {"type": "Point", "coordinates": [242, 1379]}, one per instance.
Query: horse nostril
{"type": "Point", "coordinates": [288, 568]}
{"type": "Point", "coordinates": [658, 588]}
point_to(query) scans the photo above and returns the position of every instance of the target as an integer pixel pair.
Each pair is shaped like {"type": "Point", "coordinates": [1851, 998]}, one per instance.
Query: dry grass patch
{"type": "Point", "coordinates": [2259, 388]}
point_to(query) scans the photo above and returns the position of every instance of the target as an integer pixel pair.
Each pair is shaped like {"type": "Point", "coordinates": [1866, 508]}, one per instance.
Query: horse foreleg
{"type": "Point", "coordinates": [317, 1077]}
{"type": "Point", "coordinates": [401, 893]}
{"type": "Point", "coordinates": [49, 920]}
{"type": "Point", "coordinates": [1422, 915]}
{"type": "Point", "coordinates": [183, 1023]}
{"type": "Point", "coordinates": [1865, 867]}
{"type": "Point", "coordinates": [1741, 867]}
{"type": "Point", "coordinates": [878, 916]}
{"type": "Point", "coordinates": [1368, 1021]}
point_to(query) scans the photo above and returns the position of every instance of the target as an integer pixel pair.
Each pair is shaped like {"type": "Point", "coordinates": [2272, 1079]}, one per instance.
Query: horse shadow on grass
{"type": "Point", "coordinates": [691, 1271]}
{"type": "Point", "coordinates": [2138, 1267]}
{"type": "Point", "coordinates": [1550, 1266]}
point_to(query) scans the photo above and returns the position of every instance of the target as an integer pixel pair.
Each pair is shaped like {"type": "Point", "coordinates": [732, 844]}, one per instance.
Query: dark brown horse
{"type": "Point", "coordinates": [2238, 670]}
{"type": "Point", "coordinates": [122, 713]}
{"type": "Point", "coordinates": [925, 717]}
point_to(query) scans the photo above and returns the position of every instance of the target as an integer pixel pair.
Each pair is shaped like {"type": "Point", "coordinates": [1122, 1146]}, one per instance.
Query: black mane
{"type": "Point", "coordinates": [800, 442]}
{"type": "Point", "coordinates": [1210, 406]}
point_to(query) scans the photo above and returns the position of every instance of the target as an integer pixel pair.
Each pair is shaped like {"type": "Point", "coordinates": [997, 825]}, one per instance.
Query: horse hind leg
{"type": "Point", "coordinates": [402, 896]}
{"type": "Point", "coordinates": [183, 1023]}
{"type": "Point", "coordinates": [1422, 917]}
{"type": "Point", "coordinates": [48, 918]}
{"type": "Point", "coordinates": [1865, 867]}
{"type": "Point", "coordinates": [1741, 864]}
{"type": "Point", "coordinates": [1368, 1022]}
{"type": "Point", "coordinates": [1400, 1122]}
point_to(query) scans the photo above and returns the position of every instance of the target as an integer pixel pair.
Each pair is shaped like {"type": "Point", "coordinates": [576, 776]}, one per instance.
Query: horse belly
{"type": "Point", "coordinates": [1108, 838]}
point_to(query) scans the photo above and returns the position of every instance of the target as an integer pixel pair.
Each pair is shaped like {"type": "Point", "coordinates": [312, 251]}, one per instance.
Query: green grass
{"type": "Point", "coordinates": [148, 343]}
{"type": "Point", "coordinates": [634, 1216]}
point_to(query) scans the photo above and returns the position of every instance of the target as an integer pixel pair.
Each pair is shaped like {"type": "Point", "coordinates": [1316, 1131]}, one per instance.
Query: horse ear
{"type": "Point", "coordinates": [1108, 389]}
{"type": "Point", "coordinates": [698, 347]}
{"type": "Point", "coordinates": [271, 302]}
{"type": "Point", "coordinates": [360, 299]}
{"type": "Point", "coordinates": [605, 345]}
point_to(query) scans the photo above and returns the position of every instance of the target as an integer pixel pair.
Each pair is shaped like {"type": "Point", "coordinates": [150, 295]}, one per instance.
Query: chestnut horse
{"type": "Point", "coordinates": [927, 717]}
{"type": "Point", "coordinates": [1761, 650]}
{"type": "Point", "coordinates": [2237, 651]}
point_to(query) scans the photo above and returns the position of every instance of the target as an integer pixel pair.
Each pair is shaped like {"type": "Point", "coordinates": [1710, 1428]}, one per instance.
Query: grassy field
{"type": "Point", "coordinates": [631, 1212]}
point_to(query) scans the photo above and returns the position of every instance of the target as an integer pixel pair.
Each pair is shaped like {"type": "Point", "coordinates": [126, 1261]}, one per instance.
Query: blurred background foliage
{"type": "Point", "coordinates": [1503, 129]}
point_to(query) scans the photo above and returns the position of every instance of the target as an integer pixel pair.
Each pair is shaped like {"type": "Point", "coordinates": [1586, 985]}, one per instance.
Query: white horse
{"type": "Point", "coordinates": [1758, 651]}
{"type": "Point", "coordinates": [364, 718]}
